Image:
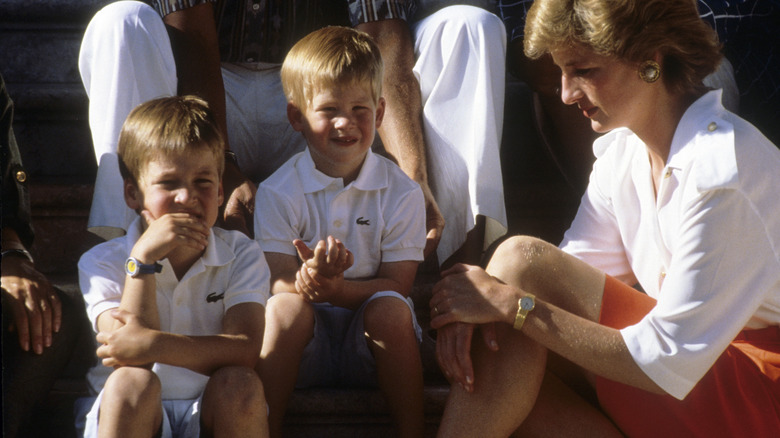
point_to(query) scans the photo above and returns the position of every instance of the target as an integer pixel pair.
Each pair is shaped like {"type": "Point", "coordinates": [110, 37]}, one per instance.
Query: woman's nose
{"type": "Point", "coordinates": [570, 93]}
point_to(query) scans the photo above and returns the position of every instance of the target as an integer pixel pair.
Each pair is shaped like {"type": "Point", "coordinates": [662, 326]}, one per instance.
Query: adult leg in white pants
{"type": "Point", "coordinates": [461, 69]}
{"type": "Point", "coordinates": [125, 60]}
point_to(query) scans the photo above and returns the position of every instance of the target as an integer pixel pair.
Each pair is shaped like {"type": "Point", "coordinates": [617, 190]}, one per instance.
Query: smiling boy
{"type": "Point", "coordinates": [178, 305]}
{"type": "Point", "coordinates": [343, 316]}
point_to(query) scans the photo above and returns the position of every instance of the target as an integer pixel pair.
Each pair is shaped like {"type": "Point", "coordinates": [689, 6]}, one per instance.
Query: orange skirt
{"type": "Point", "coordinates": [739, 396]}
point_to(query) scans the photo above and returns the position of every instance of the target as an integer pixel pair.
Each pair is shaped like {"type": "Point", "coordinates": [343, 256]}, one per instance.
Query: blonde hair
{"type": "Point", "coordinates": [167, 127]}
{"type": "Point", "coordinates": [630, 30]}
{"type": "Point", "coordinates": [330, 56]}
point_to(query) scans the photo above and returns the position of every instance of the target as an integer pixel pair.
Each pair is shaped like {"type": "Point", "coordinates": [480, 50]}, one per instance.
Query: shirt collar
{"type": "Point", "coordinates": [372, 176]}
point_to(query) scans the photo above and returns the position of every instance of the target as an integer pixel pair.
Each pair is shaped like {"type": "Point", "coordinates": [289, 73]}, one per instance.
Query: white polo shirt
{"type": "Point", "coordinates": [231, 271]}
{"type": "Point", "coordinates": [380, 216]}
{"type": "Point", "coordinates": [707, 247]}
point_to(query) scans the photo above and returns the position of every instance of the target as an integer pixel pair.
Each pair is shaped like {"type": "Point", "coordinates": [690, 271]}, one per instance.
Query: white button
{"type": "Point", "coordinates": [256, 7]}
{"type": "Point", "coordinates": [712, 126]}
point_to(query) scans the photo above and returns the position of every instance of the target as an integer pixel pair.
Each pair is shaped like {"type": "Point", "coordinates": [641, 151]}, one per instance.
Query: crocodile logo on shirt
{"type": "Point", "coordinates": [361, 221]}
{"type": "Point", "coordinates": [214, 297]}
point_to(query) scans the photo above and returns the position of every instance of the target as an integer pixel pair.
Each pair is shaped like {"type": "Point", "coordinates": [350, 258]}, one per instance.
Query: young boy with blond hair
{"type": "Point", "coordinates": [178, 304]}
{"type": "Point", "coordinates": [343, 316]}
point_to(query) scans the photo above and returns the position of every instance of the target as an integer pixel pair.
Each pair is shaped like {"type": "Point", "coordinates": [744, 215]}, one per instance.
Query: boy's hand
{"type": "Point", "coordinates": [317, 288]}
{"type": "Point", "coordinates": [129, 345]}
{"type": "Point", "coordinates": [169, 232]}
{"type": "Point", "coordinates": [329, 259]}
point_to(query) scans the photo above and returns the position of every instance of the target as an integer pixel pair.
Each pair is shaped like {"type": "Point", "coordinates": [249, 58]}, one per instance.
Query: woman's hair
{"type": "Point", "coordinates": [630, 30]}
{"type": "Point", "coordinates": [330, 56]}
{"type": "Point", "coordinates": [166, 127]}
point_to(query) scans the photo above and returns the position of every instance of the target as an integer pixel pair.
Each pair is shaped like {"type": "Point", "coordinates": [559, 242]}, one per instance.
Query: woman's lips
{"type": "Point", "coordinates": [589, 112]}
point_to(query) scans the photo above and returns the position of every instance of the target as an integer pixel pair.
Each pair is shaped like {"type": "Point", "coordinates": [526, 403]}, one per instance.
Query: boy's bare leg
{"type": "Point", "coordinates": [289, 328]}
{"type": "Point", "coordinates": [389, 329]}
{"type": "Point", "coordinates": [131, 405]}
{"type": "Point", "coordinates": [234, 404]}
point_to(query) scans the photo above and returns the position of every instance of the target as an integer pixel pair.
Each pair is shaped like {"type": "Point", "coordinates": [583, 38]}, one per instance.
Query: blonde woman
{"type": "Point", "coordinates": [682, 203]}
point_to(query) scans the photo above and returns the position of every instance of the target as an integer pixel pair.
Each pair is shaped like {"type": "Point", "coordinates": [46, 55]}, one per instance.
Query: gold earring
{"type": "Point", "coordinates": [649, 71]}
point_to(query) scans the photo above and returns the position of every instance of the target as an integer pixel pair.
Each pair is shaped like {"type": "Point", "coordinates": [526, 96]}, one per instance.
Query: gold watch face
{"type": "Point", "coordinates": [527, 303]}
{"type": "Point", "coordinates": [131, 267]}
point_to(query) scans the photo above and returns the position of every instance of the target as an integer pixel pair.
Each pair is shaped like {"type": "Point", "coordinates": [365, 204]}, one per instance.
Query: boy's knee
{"type": "Point", "coordinates": [286, 309]}
{"type": "Point", "coordinates": [133, 385]}
{"type": "Point", "coordinates": [235, 389]}
{"type": "Point", "coordinates": [387, 316]}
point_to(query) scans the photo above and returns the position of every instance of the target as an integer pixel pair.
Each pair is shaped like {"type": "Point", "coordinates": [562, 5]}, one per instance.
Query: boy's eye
{"type": "Point", "coordinates": [583, 71]}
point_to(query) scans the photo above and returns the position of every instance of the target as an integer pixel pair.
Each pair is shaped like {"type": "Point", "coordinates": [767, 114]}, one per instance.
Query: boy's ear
{"type": "Point", "coordinates": [380, 111]}
{"type": "Point", "coordinates": [295, 116]}
{"type": "Point", "coordinates": [133, 197]}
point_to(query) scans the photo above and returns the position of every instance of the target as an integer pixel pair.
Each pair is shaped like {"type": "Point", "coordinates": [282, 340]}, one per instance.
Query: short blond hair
{"type": "Point", "coordinates": [330, 56]}
{"type": "Point", "coordinates": [166, 127]}
{"type": "Point", "coordinates": [630, 30]}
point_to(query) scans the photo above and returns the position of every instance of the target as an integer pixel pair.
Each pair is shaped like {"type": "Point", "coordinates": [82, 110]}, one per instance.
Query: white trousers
{"type": "Point", "coordinates": [126, 59]}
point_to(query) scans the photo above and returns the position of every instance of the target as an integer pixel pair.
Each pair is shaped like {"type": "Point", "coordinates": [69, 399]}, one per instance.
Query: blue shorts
{"type": "Point", "coordinates": [338, 354]}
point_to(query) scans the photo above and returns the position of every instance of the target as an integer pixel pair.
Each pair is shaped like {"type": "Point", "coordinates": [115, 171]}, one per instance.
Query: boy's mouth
{"type": "Point", "coordinates": [344, 141]}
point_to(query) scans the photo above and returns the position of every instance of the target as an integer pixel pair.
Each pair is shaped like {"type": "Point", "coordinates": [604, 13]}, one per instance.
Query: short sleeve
{"type": "Point", "coordinates": [275, 221]}
{"type": "Point", "coordinates": [404, 235]}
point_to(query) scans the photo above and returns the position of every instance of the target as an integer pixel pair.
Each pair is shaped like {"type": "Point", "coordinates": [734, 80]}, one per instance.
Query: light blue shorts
{"type": "Point", "coordinates": [181, 418]}
{"type": "Point", "coordinates": [338, 354]}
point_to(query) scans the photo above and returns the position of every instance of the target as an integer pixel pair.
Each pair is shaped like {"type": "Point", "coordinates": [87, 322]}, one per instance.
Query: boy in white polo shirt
{"type": "Point", "coordinates": [178, 305]}
{"type": "Point", "coordinates": [343, 316]}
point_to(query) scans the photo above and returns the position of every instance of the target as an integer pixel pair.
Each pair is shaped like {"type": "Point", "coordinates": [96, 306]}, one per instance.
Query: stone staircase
{"type": "Point", "coordinates": [39, 43]}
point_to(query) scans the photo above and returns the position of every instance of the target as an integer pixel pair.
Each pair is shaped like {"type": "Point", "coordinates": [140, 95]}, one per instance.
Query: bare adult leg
{"type": "Point", "coordinates": [508, 387]}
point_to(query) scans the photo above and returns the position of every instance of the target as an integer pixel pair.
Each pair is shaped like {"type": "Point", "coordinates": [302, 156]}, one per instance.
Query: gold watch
{"type": "Point", "coordinates": [524, 305]}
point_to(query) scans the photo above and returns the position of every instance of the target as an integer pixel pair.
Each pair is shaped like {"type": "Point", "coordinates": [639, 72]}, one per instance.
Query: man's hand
{"type": "Point", "coordinates": [240, 206]}
{"type": "Point", "coordinates": [35, 306]}
{"type": "Point", "coordinates": [434, 221]}
{"type": "Point", "coordinates": [128, 345]}
{"type": "Point", "coordinates": [167, 233]}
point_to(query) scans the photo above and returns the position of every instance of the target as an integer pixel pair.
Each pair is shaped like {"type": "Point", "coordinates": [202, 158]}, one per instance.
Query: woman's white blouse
{"type": "Point", "coordinates": [707, 247]}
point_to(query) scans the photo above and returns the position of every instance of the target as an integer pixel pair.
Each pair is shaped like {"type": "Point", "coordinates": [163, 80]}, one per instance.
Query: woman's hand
{"type": "Point", "coordinates": [469, 294]}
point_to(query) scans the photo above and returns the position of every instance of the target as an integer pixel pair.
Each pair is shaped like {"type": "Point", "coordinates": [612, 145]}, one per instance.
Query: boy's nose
{"type": "Point", "coordinates": [184, 196]}
{"type": "Point", "coordinates": [343, 121]}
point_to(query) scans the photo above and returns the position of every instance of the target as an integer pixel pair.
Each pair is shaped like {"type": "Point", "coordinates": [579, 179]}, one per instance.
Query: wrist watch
{"type": "Point", "coordinates": [134, 268]}
{"type": "Point", "coordinates": [524, 305]}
